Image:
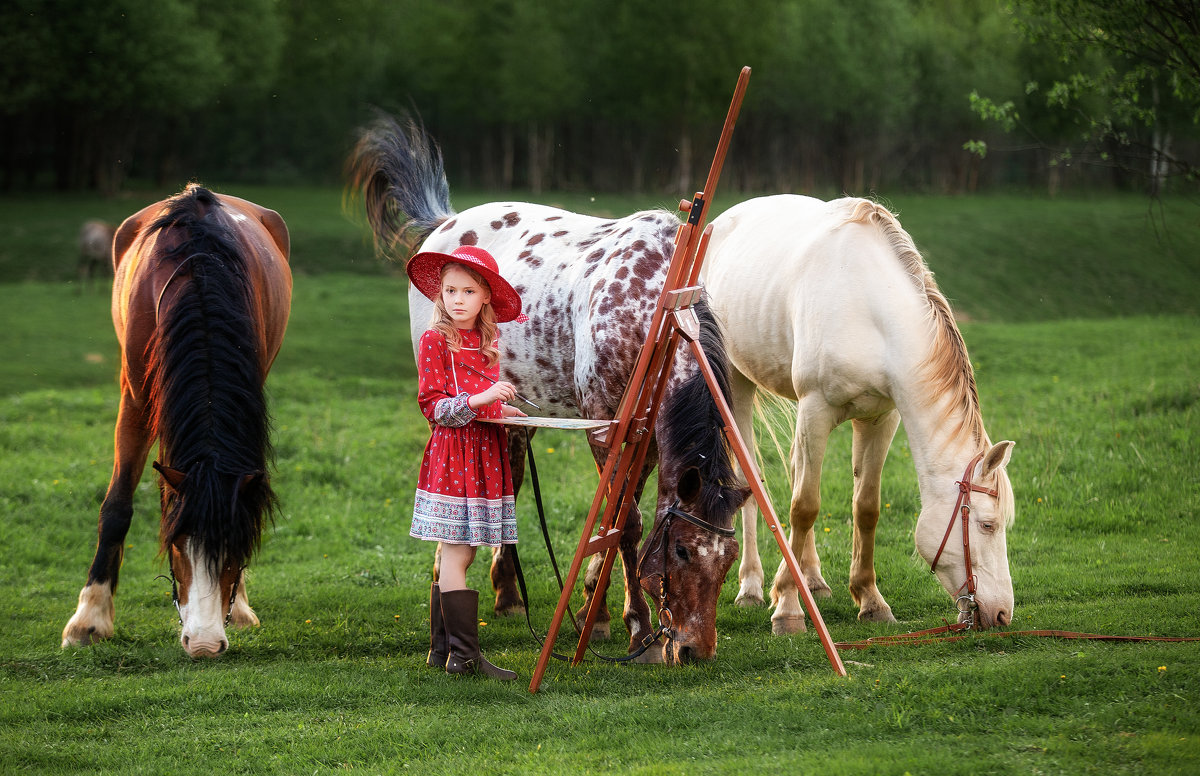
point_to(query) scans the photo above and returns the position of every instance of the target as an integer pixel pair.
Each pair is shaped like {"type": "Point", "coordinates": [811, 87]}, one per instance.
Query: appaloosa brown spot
{"type": "Point", "coordinates": [561, 232]}
{"type": "Point", "coordinates": [496, 225]}
{"type": "Point", "coordinates": [647, 265]}
{"type": "Point", "coordinates": [537, 238]}
{"type": "Point", "coordinates": [469, 238]}
{"type": "Point", "coordinates": [512, 219]}
{"type": "Point", "coordinates": [554, 218]}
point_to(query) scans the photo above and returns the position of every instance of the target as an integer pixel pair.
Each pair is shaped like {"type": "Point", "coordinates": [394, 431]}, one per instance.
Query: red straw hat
{"type": "Point", "coordinates": [425, 271]}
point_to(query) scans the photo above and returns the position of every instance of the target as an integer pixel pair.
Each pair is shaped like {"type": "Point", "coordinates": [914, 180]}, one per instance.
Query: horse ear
{"type": "Point", "coordinates": [172, 477]}
{"type": "Point", "coordinates": [244, 482]}
{"type": "Point", "coordinates": [249, 479]}
{"type": "Point", "coordinates": [996, 458]}
{"type": "Point", "coordinates": [689, 485]}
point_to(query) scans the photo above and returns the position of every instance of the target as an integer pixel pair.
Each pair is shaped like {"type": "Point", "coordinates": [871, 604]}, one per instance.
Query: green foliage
{"type": "Point", "coordinates": [1126, 76]}
{"type": "Point", "coordinates": [588, 95]}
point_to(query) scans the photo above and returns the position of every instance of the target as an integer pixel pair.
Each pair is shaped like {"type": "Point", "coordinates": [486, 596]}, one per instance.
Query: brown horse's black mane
{"type": "Point", "coordinates": [208, 408]}
{"type": "Point", "coordinates": [694, 432]}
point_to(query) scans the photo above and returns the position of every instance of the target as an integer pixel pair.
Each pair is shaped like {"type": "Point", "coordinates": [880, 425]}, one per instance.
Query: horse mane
{"type": "Point", "coordinates": [206, 398]}
{"type": "Point", "coordinates": [947, 367]}
{"type": "Point", "coordinates": [694, 430]}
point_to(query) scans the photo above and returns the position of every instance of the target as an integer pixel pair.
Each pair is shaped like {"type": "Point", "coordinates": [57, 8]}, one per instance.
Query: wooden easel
{"type": "Point", "coordinates": [628, 436]}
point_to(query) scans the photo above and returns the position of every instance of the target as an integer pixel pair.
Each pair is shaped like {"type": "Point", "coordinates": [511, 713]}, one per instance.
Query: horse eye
{"type": "Point", "coordinates": [681, 552]}
{"type": "Point", "coordinates": [987, 527]}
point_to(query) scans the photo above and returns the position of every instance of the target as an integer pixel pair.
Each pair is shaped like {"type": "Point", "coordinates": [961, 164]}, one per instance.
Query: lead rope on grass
{"type": "Point", "coordinates": [957, 630]}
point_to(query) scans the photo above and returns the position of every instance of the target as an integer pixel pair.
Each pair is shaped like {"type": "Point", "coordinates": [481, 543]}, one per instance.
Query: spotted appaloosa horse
{"type": "Point", "coordinates": [829, 304]}
{"type": "Point", "coordinates": [589, 286]}
{"type": "Point", "coordinates": [201, 296]}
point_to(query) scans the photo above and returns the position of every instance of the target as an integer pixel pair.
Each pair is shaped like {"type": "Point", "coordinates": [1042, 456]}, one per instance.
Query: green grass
{"type": "Point", "coordinates": [1104, 407]}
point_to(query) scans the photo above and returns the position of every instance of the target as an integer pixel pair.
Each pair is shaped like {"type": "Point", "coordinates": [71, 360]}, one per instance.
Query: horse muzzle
{"type": "Point", "coordinates": [680, 649]}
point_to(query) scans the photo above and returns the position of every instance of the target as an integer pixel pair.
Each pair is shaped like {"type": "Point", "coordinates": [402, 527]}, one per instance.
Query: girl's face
{"type": "Point", "coordinates": [463, 296]}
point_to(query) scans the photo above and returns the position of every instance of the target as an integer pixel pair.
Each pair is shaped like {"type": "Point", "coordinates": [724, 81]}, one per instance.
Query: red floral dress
{"type": "Point", "coordinates": [464, 490]}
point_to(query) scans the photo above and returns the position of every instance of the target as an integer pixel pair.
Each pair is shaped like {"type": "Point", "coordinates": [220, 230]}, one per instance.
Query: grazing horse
{"type": "Point", "coordinates": [590, 287]}
{"type": "Point", "coordinates": [830, 305]}
{"type": "Point", "coordinates": [201, 296]}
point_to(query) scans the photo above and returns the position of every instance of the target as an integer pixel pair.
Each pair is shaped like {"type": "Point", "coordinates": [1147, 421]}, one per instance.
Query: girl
{"type": "Point", "coordinates": [464, 491]}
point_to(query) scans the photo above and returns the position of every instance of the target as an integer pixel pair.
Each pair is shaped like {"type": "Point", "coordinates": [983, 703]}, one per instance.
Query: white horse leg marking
{"type": "Point", "coordinates": [242, 616]}
{"type": "Point", "coordinates": [93, 618]}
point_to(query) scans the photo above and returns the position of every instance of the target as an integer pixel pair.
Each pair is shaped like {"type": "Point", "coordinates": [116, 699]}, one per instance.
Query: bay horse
{"type": "Point", "coordinates": [830, 305]}
{"type": "Point", "coordinates": [201, 298]}
{"type": "Point", "coordinates": [590, 287]}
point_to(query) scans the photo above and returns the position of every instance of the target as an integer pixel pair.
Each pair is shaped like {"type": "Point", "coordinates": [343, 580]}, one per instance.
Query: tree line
{"type": "Point", "coordinates": [605, 95]}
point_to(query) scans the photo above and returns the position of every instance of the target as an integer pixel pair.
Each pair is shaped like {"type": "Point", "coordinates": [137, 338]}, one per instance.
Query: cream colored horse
{"type": "Point", "coordinates": [829, 304]}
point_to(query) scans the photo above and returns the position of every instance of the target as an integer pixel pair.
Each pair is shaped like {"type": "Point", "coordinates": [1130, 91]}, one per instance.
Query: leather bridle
{"type": "Point", "coordinates": [665, 620]}
{"type": "Point", "coordinates": [175, 591]}
{"type": "Point", "coordinates": [965, 601]}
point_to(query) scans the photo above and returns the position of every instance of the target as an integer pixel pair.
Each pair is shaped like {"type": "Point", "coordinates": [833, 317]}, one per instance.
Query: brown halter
{"type": "Point", "coordinates": [966, 600]}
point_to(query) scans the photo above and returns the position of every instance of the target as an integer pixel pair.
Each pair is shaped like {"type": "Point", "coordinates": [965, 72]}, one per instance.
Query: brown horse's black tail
{"type": "Point", "coordinates": [397, 169]}
{"type": "Point", "coordinates": [208, 405]}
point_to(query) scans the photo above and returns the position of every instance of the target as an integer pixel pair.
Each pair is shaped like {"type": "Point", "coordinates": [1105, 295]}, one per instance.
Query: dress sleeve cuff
{"type": "Point", "coordinates": [454, 412]}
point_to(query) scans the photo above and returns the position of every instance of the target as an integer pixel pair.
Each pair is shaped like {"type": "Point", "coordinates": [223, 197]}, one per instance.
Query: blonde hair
{"type": "Point", "coordinates": [486, 322]}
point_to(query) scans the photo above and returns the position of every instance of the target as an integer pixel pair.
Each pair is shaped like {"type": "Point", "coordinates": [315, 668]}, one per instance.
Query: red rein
{"type": "Point", "coordinates": [962, 508]}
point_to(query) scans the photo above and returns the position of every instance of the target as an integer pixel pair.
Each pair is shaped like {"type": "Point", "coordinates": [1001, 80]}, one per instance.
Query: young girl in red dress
{"type": "Point", "coordinates": [464, 491]}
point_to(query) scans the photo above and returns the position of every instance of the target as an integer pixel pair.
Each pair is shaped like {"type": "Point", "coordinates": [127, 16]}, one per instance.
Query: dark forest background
{"type": "Point", "coordinates": [944, 96]}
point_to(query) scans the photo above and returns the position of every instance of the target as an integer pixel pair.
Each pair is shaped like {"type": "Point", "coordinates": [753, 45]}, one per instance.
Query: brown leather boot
{"type": "Point", "coordinates": [460, 612]}
{"type": "Point", "coordinates": [438, 647]}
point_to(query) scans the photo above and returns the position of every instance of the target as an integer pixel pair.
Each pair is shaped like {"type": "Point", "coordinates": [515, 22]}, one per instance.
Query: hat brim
{"type": "Point", "coordinates": [424, 269]}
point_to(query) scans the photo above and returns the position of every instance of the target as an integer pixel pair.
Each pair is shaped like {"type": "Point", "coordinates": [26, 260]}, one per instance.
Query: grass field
{"type": "Point", "coordinates": [1094, 370]}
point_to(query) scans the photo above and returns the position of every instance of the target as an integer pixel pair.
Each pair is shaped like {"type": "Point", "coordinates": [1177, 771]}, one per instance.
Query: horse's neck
{"type": "Point", "coordinates": [942, 436]}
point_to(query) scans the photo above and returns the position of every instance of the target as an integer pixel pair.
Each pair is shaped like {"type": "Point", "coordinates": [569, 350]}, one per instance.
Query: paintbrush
{"type": "Point", "coordinates": [493, 382]}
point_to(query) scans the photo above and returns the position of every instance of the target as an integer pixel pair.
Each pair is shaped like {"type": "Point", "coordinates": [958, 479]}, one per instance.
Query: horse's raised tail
{"type": "Point", "coordinates": [397, 170]}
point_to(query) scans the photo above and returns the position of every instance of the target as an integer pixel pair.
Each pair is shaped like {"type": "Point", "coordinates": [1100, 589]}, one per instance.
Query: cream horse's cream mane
{"type": "Point", "coordinates": [948, 367]}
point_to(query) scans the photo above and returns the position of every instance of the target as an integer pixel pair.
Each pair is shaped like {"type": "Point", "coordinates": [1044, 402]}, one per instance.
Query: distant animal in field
{"type": "Point", "coordinates": [201, 298]}
{"type": "Point", "coordinates": [95, 251]}
{"type": "Point", "coordinates": [830, 305]}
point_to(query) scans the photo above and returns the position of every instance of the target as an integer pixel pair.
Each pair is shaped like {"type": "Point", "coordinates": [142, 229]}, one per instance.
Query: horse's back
{"type": "Point", "coordinates": [586, 283]}
{"type": "Point", "coordinates": [811, 294]}
{"type": "Point", "coordinates": [142, 272]}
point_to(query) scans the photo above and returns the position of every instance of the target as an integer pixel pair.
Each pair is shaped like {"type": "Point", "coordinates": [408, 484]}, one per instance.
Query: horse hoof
{"type": "Point", "coordinates": [84, 638]}
{"type": "Point", "coordinates": [601, 631]}
{"type": "Point", "coordinates": [651, 656]}
{"type": "Point", "coordinates": [509, 608]}
{"type": "Point", "coordinates": [785, 626]}
{"type": "Point", "coordinates": [244, 619]}
{"type": "Point", "coordinates": [876, 615]}
{"type": "Point", "coordinates": [821, 591]}
{"type": "Point", "coordinates": [749, 599]}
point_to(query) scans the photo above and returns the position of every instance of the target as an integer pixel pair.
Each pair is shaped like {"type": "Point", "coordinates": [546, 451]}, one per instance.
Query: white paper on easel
{"type": "Point", "coordinates": [566, 424]}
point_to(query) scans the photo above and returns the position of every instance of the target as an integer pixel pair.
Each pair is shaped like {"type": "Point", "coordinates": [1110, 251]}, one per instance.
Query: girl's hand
{"type": "Point", "coordinates": [501, 391]}
{"type": "Point", "coordinates": [509, 411]}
